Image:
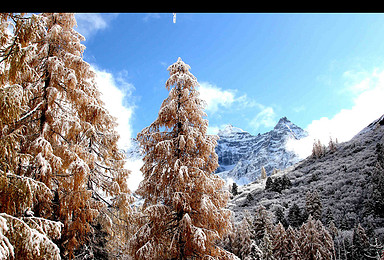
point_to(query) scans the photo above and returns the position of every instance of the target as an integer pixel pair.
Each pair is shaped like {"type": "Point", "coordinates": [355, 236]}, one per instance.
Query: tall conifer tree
{"type": "Point", "coordinates": [315, 241]}
{"type": "Point", "coordinates": [66, 138]}
{"type": "Point", "coordinates": [184, 201]}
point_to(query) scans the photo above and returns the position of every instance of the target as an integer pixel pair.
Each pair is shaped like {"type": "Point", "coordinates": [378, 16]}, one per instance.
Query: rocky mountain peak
{"type": "Point", "coordinates": [282, 121]}
{"type": "Point", "coordinates": [241, 155]}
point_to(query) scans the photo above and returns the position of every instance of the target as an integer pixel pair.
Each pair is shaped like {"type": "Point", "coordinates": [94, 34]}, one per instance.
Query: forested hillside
{"type": "Point", "coordinates": [341, 186]}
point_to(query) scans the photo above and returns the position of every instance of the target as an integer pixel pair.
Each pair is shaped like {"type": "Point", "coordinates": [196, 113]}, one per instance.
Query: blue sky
{"type": "Point", "coordinates": [324, 72]}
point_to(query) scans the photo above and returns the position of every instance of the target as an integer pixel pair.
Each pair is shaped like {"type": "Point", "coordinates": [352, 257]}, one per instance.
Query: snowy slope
{"type": "Point", "coordinates": [343, 179]}
{"type": "Point", "coordinates": [241, 155]}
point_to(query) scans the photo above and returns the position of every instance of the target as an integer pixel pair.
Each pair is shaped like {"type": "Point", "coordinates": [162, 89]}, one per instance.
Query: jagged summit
{"type": "Point", "coordinates": [241, 155]}
{"type": "Point", "coordinates": [283, 120]}
{"type": "Point", "coordinates": [284, 123]}
{"type": "Point", "coordinates": [289, 128]}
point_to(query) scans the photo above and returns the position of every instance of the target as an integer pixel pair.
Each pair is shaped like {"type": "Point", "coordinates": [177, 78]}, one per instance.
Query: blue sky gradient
{"type": "Point", "coordinates": [302, 66]}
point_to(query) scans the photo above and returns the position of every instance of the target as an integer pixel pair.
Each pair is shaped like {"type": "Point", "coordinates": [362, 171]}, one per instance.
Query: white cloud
{"type": "Point", "coordinates": [115, 90]}
{"type": "Point", "coordinates": [367, 106]}
{"type": "Point", "coordinates": [114, 99]}
{"type": "Point", "coordinates": [136, 175]}
{"type": "Point", "coordinates": [215, 97]}
{"type": "Point", "coordinates": [218, 99]}
{"type": "Point", "coordinates": [266, 117]}
{"type": "Point", "coordinates": [213, 130]}
{"type": "Point", "coordinates": [89, 23]}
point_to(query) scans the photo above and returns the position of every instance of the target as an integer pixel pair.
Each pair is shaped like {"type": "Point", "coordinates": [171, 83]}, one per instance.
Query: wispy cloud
{"type": "Point", "coordinates": [220, 100]}
{"type": "Point", "coordinates": [136, 175]}
{"type": "Point", "coordinates": [90, 23]}
{"type": "Point", "coordinates": [266, 117]}
{"type": "Point", "coordinates": [215, 97]}
{"type": "Point", "coordinates": [115, 93]}
{"type": "Point", "coordinates": [367, 90]}
{"type": "Point", "coordinates": [299, 109]}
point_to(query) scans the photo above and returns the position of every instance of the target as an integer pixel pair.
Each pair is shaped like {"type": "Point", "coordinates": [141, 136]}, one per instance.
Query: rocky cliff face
{"type": "Point", "coordinates": [241, 155]}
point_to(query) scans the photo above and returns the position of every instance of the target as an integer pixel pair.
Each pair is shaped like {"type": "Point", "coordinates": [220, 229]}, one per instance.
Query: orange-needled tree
{"type": "Point", "coordinates": [184, 207]}
{"type": "Point", "coordinates": [58, 132]}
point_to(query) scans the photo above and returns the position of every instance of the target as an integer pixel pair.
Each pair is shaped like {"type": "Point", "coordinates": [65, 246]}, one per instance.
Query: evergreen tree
{"type": "Point", "coordinates": [269, 184]}
{"type": "Point", "coordinates": [234, 189]}
{"type": "Point", "coordinates": [313, 204]}
{"type": "Point", "coordinates": [295, 216]}
{"type": "Point", "coordinates": [279, 214]}
{"type": "Point", "coordinates": [262, 223]}
{"type": "Point", "coordinates": [286, 182]}
{"type": "Point", "coordinates": [279, 184]}
{"type": "Point", "coordinates": [184, 201]}
{"type": "Point", "coordinates": [255, 253]}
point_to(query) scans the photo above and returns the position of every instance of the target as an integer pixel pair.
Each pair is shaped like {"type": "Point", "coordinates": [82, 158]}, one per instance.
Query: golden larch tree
{"type": "Point", "coordinates": [185, 202]}
{"type": "Point", "coordinates": [263, 173]}
{"type": "Point", "coordinates": [23, 234]}
{"type": "Point", "coordinates": [65, 136]}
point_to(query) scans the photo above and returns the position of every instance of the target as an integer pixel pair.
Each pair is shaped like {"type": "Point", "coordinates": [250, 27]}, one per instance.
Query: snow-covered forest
{"type": "Point", "coordinates": [64, 191]}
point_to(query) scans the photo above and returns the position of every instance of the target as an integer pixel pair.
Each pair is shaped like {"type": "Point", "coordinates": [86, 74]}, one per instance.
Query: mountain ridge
{"type": "Point", "coordinates": [241, 155]}
{"type": "Point", "coordinates": [345, 179]}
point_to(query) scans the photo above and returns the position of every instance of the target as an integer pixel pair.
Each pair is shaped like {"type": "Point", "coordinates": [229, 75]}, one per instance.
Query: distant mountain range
{"type": "Point", "coordinates": [242, 155]}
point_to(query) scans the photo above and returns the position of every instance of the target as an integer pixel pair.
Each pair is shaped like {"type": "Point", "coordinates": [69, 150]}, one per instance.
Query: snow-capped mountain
{"type": "Point", "coordinates": [349, 181]}
{"type": "Point", "coordinates": [241, 155]}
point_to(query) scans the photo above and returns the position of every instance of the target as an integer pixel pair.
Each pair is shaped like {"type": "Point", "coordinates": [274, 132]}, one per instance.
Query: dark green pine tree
{"type": "Point", "coordinates": [313, 204]}
{"type": "Point", "coordinates": [279, 214]}
{"type": "Point", "coordinates": [268, 183]}
{"type": "Point", "coordinates": [262, 223]}
{"type": "Point", "coordinates": [295, 216]}
{"type": "Point", "coordinates": [234, 189]}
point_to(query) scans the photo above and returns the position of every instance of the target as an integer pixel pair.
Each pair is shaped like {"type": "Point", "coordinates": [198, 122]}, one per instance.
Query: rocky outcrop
{"type": "Point", "coordinates": [241, 155]}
